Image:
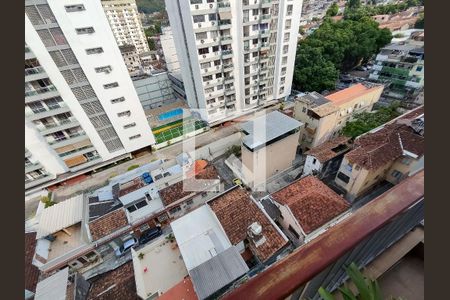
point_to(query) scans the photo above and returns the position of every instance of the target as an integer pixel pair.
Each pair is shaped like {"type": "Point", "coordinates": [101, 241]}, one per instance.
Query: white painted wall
{"type": "Point", "coordinates": [94, 16]}
{"type": "Point", "coordinates": [311, 164]}
{"type": "Point", "coordinates": [170, 51]}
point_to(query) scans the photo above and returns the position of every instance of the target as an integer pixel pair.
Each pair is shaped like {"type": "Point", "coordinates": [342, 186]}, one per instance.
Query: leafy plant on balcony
{"type": "Point", "coordinates": [47, 200]}
{"type": "Point", "coordinates": [367, 289]}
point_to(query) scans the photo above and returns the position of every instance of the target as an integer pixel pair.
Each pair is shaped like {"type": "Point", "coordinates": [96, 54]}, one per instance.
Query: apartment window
{"type": "Point", "coordinates": [201, 36]}
{"type": "Point", "coordinates": [37, 107]}
{"type": "Point", "coordinates": [218, 75]}
{"type": "Point", "coordinates": [205, 65]}
{"type": "Point", "coordinates": [118, 100]}
{"type": "Point", "coordinates": [282, 80]}
{"type": "Point", "coordinates": [175, 210]}
{"type": "Point", "coordinates": [209, 90]}
{"type": "Point", "coordinates": [254, 54]}
{"type": "Point", "coordinates": [220, 87]}
{"type": "Point", "coordinates": [196, 1]}
{"type": "Point", "coordinates": [207, 78]}
{"type": "Point", "coordinates": [133, 137]}
{"type": "Point", "coordinates": [124, 114]}
{"type": "Point", "coordinates": [212, 17]}
{"type": "Point", "coordinates": [129, 125]}
{"type": "Point", "coordinates": [343, 177]}
{"type": "Point", "coordinates": [284, 60]}
{"type": "Point", "coordinates": [419, 68]}
{"type": "Point", "coordinates": [287, 25]}
{"type": "Point", "coordinates": [215, 49]}
{"type": "Point", "coordinates": [85, 30]}
{"type": "Point", "coordinates": [110, 85]}
{"type": "Point", "coordinates": [190, 202]}
{"type": "Point", "coordinates": [255, 12]}
{"type": "Point", "coordinates": [203, 51]}
{"type": "Point", "coordinates": [396, 174]}
{"type": "Point", "coordinates": [105, 69]}
{"type": "Point", "coordinates": [94, 50]}
{"type": "Point", "coordinates": [289, 9]}
{"type": "Point", "coordinates": [255, 27]}
{"type": "Point", "coordinates": [198, 18]}
{"type": "Point", "coordinates": [74, 8]}
{"type": "Point", "coordinates": [255, 41]}
{"type": "Point", "coordinates": [286, 36]}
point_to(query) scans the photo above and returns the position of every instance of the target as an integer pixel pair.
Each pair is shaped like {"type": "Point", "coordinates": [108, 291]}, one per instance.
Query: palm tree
{"type": "Point", "coordinates": [367, 289]}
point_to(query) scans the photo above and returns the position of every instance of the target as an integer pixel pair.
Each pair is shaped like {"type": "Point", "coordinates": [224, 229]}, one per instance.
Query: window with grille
{"type": "Point", "coordinates": [198, 18]}
{"type": "Point", "coordinates": [124, 114]}
{"type": "Point", "coordinates": [85, 30]}
{"type": "Point", "coordinates": [74, 8]}
{"type": "Point", "coordinates": [69, 56]}
{"type": "Point", "coordinates": [201, 36]}
{"type": "Point", "coordinates": [46, 13]}
{"type": "Point", "coordinates": [33, 15]}
{"type": "Point", "coordinates": [105, 69]}
{"type": "Point", "coordinates": [46, 37]}
{"type": "Point", "coordinates": [94, 50]}
{"type": "Point", "coordinates": [79, 74]}
{"type": "Point", "coordinates": [111, 85]}
{"type": "Point", "coordinates": [118, 100]}
{"type": "Point", "coordinates": [69, 77]}
{"type": "Point", "coordinates": [114, 145]}
{"type": "Point", "coordinates": [129, 125]}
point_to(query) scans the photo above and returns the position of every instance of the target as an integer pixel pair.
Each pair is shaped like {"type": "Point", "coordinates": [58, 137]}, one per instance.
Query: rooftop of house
{"type": "Point", "coordinates": [108, 223]}
{"type": "Point", "coordinates": [329, 150]}
{"type": "Point", "coordinates": [236, 212]}
{"type": "Point", "coordinates": [314, 99]}
{"type": "Point", "coordinates": [312, 203]}
{"type": "Point", "coordinates": [182, 188]}
{"type": "Point", "coordinates": [31, 271]}
{"type": "Point", "coordinates": [199, 236]}
{"type": "Point", "coordinates": [184, 290]}
{"type": "Point", "coordinates": [387, 143]}
{"type": "Point", "coordinates": [267, 128]}
{"type": "Point", "coordinates": [116, 284]}
{"type": "Point", "coordinates": [98, 208]}
{"type": "Point", "coordinates": [54, 287]}
{"type": "Point", "coordinates": [158, 266]}
{"type": "Point", "coordinates": [352, 92]}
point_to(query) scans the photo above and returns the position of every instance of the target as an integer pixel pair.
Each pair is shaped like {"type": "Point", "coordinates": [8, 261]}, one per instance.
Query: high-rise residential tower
{"type": "Point", "coordinates": [123, 17]}
{"type": "Point", "coordinates": [80, 104]}
{"type": "Point", "coordinates": [235, 55]}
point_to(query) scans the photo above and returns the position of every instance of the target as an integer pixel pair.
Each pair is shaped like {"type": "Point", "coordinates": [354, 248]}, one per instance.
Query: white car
{"type": "Point", "coordinates": [123, 244]}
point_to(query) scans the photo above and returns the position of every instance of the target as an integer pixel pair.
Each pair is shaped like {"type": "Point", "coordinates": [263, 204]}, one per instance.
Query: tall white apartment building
{"type": "Point", "coordinates": [123, 17]}
{"type": "Point", "coordinates": [235, 55]}
{"type": "Point", "coordinates": [170, 51]}
{"type": "Point", "coordinates": [81, 108]}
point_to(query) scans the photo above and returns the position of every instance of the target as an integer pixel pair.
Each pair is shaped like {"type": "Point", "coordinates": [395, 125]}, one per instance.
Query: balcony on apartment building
{"type": "Point", "coordinates": [35, 94]}
{"type": "Point", "coordinates": [35, 73]}
{"type": "Point", "coordinates": [57, 125]}
{"type": "Point", "coordinates": [64, 139]}
{"type": "Point", "coordinates": [39, 112]}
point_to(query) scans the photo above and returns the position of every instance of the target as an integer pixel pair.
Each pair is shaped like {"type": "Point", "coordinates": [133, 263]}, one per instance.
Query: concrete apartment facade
{"type": "Point", "coordinates": [325, 116]}
{"type": "Point", "coordinates": [402, 65]}
{"type": "Point", "coordinates": [81, 107]}
{"type": "Point", "coordinates": [235, 55]}
{"type": "Point", "coordinates": [170, 51]}
{"type": "Point", "coordinates": [123, 17]}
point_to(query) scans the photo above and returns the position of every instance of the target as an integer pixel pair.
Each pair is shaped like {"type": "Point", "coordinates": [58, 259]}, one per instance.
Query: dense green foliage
{"type": "Point", "coordinates": [366, 121]}
{"type": "Point", "coordinates": [420, 23]}
{"type": "Point", "coordinates": [357, 11]}
{"type": "Point", "coordinates": [153, 30]}
{"type": "Point", "coordinates": [332, 10]}
{"type": "Point", "coordinates": [150, 6]}
{"type": "Point", "coordinates": [151, 44]}
{"type": "Point", "coordinates": [333, 47]}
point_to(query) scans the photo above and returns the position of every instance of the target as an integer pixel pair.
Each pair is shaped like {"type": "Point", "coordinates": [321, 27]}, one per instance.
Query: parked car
{"type": "Point", "coordinates": [149, 235]}
{"type": "Point", "coordinates": [123, 244]}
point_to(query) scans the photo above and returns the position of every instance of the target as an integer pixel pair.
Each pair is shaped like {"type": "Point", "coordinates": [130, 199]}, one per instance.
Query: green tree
{"type": "Point", "coordinates": [367, 289]}
{"type": "Point", "coordinates": [313, 71]}
{"type": "Point", "coordinates": [353, 4]}
{"type": "Point", "coordinates": [367, 121]}
{"type": "Point", "coordinates": [332, 10]}
{"type": "Point", "coordinates": [151, 44]}
{"type": "Point", "coordinates": [150, 6]}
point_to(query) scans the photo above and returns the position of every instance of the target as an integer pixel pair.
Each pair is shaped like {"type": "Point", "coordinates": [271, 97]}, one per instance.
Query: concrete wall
{"type": "Point", "coordinates": [154, 91]}
{"type": "Point", "coordinates": [270, 160]}
{"type": "Point", "coordinates": [170, 51]}
{"type": "Point", "coordinates": [216, 148]}
{"type": "Point", "coordinates": [311, 164]}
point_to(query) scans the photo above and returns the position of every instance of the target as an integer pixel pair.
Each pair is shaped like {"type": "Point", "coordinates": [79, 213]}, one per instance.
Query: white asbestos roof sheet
{"type": "Point", "coordinates": [60, 216]}
{"type": "Point", "coordinates": [53, 287]}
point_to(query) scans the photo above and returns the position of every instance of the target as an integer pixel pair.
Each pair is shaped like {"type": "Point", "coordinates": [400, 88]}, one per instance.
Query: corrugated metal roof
{"type": "Point", "coordinates": [59, 216]}
{"type": "Point", "coordinates": [199, 236]}
{"type": "Point", "coordinates": [218, 272]}
{"type": "Point", "coordinates": [275, 124]}
{"type": "Point", "coordinates": [53, 287]}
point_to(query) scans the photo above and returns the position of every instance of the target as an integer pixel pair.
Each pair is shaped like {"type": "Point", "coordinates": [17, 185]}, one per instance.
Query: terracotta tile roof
{"type": "Point", "coordinates": [116, 284]}
{"type": "Point", "coordinates": [324, 152]}
{"type": "Point", "coordinates": [236, 212]}
{"type": "Point", "coordinates": [108, 223]}
{"type": "Point", "coordinates": [131, 186]}
{"type": "Point", "coordinates": [311, 202]}
{"type": "Point", "coordinates": [176, 191]}
{"type": "Point", "coordinates": [31, 271]}
{"type": "Point", "coordinates": [184, 290]}
{"type": "Point", "coordinates": [374, 150]}
{"type": "Point", "coordinates": [351, 93]}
